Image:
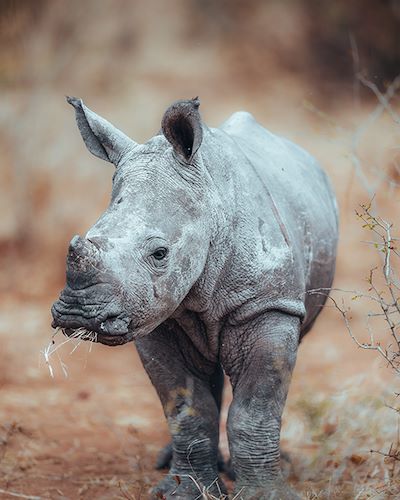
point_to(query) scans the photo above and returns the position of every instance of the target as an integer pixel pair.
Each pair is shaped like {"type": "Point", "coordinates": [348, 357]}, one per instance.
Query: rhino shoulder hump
{"type": "Point", "coordinates": [238, 120]}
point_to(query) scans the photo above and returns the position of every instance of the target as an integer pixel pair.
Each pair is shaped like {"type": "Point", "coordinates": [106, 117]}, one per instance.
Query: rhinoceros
{"type": "Point", "coordinates": [204, 258]}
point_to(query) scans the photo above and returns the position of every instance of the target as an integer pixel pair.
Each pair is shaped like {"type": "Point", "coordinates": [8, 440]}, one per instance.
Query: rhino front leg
{"type": "Point", "coordinates": [259, 358]}
{"type": "Point", "coordinates": [164, 458]}
{"type": "Point", "coordinates": [191, 412]}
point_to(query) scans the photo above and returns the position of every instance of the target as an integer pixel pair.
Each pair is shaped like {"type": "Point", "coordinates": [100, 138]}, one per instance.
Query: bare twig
{"type": "Point", "coordinates": [386, 299]}
{"type": "Point", "coordinates": [384, 99]}
{"type": "Point", "coordinates": [19, 495]}
{"type": "Point", "coordinates": [356, 69]}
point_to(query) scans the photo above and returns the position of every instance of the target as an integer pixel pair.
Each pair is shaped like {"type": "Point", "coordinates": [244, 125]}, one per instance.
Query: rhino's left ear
{"type": "Point", "coordinates": [101, 138]}
{"type": "Point", "coordinates": [182, 127]}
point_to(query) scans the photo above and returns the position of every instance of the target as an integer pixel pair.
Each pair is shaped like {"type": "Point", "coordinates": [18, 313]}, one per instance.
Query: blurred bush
{"type": "Point", "coordinates": [324, 40]}
{"type": "Point", "coordinates": [318, 38]}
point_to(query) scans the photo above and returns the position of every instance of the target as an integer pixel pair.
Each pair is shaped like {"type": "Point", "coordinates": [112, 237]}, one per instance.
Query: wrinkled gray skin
{"type": "Point", "coordinates": [204, 258]}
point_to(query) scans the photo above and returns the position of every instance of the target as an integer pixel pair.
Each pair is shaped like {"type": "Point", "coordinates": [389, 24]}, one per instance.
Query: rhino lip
{"type": "Point", "coordinates": [100, 338]}
{"type": "Point", "coordinates": [94, 336]}
{"type": "Point", "coordinates": [106, 327]}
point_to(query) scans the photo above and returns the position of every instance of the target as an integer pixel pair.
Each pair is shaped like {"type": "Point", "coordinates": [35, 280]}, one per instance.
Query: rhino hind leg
{"type": "Point", "coordinates": [192, 414]}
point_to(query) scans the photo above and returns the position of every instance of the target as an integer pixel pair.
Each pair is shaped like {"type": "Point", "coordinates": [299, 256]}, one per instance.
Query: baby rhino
{"type": "Point", "coordinates": [204, 258]}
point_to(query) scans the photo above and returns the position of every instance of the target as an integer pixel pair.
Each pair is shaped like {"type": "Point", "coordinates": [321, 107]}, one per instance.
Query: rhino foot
{"type": "Point", "coordinates": [278, 490]}
{"type": "Point", "coordinates": [185, 487]}
{"type": "Point", "coordinates": [164, 460]}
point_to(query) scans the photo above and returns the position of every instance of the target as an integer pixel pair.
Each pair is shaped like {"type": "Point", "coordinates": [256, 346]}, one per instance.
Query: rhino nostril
{"type": "Point", "coordinates": [98, 241]}
{"type": "Point", "coordinates": [95, 242]}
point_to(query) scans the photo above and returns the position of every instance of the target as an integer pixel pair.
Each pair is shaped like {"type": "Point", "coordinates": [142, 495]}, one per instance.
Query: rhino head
{"type": "Point", "coordinates": [137, 263]}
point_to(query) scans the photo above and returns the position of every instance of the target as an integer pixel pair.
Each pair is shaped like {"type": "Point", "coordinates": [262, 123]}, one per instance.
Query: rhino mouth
{"type": "Point", "coordinates": [103, 322]}
{"type": "Point", "coordinates": [92, 335]}
{"type": "Point", "coordinates": [95, 337]}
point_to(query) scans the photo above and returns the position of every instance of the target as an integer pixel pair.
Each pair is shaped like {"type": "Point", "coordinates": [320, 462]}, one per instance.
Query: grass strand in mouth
{"type": "Point", "coordinates": [76, 337]}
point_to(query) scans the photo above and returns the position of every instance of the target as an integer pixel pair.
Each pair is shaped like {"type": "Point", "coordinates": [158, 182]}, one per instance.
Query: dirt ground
{"type": "Point", "coordinates": [95, 433]}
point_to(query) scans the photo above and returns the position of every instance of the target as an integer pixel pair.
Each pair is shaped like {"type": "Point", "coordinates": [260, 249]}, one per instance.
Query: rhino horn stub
{"type": "Point", "coordinates": [101, 137]}
{"type": "Point", "coordinates": [182, 127]}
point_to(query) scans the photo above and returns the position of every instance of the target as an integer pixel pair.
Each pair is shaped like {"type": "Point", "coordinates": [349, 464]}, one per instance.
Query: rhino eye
{"type": "Point", "coordinates": [160, 253]}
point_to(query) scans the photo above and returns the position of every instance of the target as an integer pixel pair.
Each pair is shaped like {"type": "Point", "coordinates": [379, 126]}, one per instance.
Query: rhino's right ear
{"type": "Point", "coordinates": [101, 138]}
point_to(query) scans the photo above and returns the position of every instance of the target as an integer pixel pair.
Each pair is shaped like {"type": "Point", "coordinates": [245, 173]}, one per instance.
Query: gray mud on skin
{"type": "Point", "coordinates": [204, 257]}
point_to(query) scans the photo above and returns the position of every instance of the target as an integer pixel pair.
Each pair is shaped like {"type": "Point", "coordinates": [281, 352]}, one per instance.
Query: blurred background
{"type": "Point", "coordinates": [314, 71]}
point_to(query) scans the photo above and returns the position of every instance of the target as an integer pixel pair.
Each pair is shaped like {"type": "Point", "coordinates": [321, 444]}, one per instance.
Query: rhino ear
{"type": "Point", "coordinates": [101, 138]}
{"type": "Point", "coordinates": [182, 127]}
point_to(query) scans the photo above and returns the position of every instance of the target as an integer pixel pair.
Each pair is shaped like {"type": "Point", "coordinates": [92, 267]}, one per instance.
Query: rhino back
{"type": "Point", "coordinates": [294, 211]}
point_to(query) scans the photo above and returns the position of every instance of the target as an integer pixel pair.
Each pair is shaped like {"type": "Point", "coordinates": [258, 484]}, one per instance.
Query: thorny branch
{"type": "Point", "coordinates": [383, 293]}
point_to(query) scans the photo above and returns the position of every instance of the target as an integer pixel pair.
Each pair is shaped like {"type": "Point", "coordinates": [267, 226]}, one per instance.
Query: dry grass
{"type": "Point", "coordinates": [78, 336]}
{"type": "Point", "coordinates": [341, 433]}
